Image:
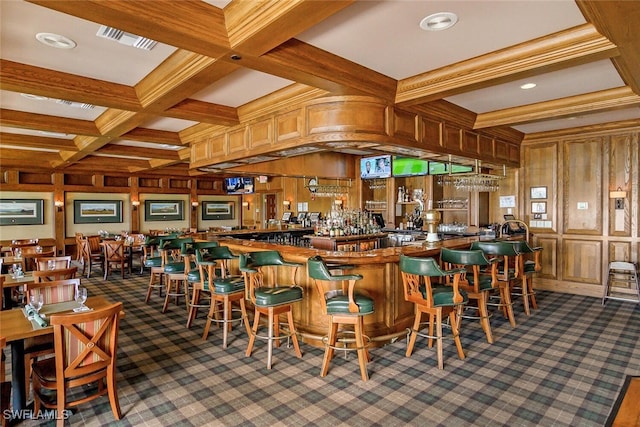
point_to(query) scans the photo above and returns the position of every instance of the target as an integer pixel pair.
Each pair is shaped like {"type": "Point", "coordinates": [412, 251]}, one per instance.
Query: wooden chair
{"type": "Point", "coordinates": [115, 257]}
{"type": "Point", "coordinates": [5, 387]}
{"type": "Point", "coordinates": [223, 289]}
{"type": "Point", "coordinates": [86, 346]}
{"type": "Point", "coordinates": [508, 273]}
{"type": "Point", "coordinates": [56, 261]}
{"type": "Point", "coordinates": [54, 275]}
{"type": "Point", "coordinates": [478, 280]}
{"type": "Point", "coordinates": [529, 265]}
{"type": "Point", "coordinates": [79, 237]}
{"type": "Point", "coordinates": [173, 269]}
{"type": "Point", "coordinates": [343, 305]}
{"type": "Point", "coordinates": [259, 270]}
{"type": "Point", "coordinates": [435, 300]}
{"type": "Point", "coordinates": [20, 244]}
{"type": "Point", "coordinates": [197, 296]}
{"type": "Point", "coordinates": [53, 292]}
{"type": "Point", "coordinates": [90, 258]}
{"type": "Point", "coordinates": [31, 253]}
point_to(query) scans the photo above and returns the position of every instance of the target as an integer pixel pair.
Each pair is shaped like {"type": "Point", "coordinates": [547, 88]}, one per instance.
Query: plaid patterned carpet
{"type": "Point", "coordinates": [562, 366]}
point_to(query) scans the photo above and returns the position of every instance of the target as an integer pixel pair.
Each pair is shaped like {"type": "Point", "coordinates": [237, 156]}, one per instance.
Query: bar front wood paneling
{"type": "Point", "coordinates": [381, 280]}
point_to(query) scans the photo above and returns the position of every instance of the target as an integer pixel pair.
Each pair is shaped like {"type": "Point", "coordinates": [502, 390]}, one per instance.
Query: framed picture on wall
{"type": "Point", "coordinates": [21, 211]}
{"type": "Point", "coordinates": [217, 210]}
{"type": "Point", "coordinates": [538, 192]}
{"type": "Point", "coordinates": [538, 207]}
{"type": "Point", "coordinates": [163, 210]}
{"type": "Point", "coordinates": [97, 211]}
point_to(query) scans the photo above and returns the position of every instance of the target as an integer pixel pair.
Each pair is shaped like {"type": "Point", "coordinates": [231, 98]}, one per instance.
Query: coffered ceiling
{"type": "Point", "coordinates": [104, 105]}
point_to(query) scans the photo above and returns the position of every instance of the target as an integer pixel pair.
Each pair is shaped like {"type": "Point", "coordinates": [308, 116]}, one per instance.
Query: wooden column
{"type": "Point", "coordinates": [59, 212]}
{"type": "Point", "coordinates": [135, 208]}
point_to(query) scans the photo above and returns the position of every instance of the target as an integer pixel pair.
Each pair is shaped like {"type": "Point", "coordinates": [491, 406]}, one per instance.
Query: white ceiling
{"type": "Point", "coordinates": [381, 35]}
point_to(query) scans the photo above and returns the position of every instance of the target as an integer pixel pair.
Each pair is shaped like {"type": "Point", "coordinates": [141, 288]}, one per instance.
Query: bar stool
{"type": "Point", "coordinates": [528, 268]}
{"type": "Point", "coordinates": [173, 252]}
{"type": "Point", "coordinates": [224, 289]}
{"type": "Point", "coordinates": [343, 306]}
{"type": "Point", "coordinates": [259, 270]}
{"type": "Point", "coordinates": [625, 273]}
{"type": "Point", "coordinates": [434, 300]}
{"type": "Point", "coordinates": [507, 276]}
{"type": "Point", "coordinates": [476, 284]}
{"type": "Point", "coordinates": [195, 293]}
{"type": "Point", "coordinates": [154, 264]}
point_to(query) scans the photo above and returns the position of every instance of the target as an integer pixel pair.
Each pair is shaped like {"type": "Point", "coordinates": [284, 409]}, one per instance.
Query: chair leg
{"type": "Point", "coordinates": [270, 340]}
{"type": "Point", "coordinates": [193, 309]}
{"type": "Point", "coordinates": [525, 295]}
{"type": "Point", "coordinates": [245, 316]}
{"type": "Point", "coordinates": [226, 325]}
{"type": "Point", "coordinates": [362, 351]}
{"type": "Point", "coordinates": [438, 318]}
{"type": "Point", "coordinates": [532, 294]}
{"type": "Point", "coordinates": [507, 304]}
{"type": "Point", "coordinates": [414, 332]}
{"type": "Point", "coordinates": [328, 352]}
{"type": "Point", "coordinates": [292, 331]}
{"type": "Point", "coordinates": [484, 316]}
{"type": "Point", "coordinates": [252, 335]}
{"type": "Point", "coordinates": [432, 321]}
{"type": "Point", "coordinates": [454, 315]}
{"type": "Point", "coordinates": [113, 395]}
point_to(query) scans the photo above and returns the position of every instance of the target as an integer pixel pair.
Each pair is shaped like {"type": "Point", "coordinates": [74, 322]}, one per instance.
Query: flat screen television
{"type": "Point", "coordinates": [238, 185]}
{"type": "Point", "coordinates": [439, 168]}
{"type": "Point", "coordinates": [375, 167]}
{"type": "Point", "coordinates": [408, 166]}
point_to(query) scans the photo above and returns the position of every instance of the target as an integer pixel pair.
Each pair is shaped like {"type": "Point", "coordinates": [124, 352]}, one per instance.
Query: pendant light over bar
{"type": "Point", "coordinates": [473, 181]}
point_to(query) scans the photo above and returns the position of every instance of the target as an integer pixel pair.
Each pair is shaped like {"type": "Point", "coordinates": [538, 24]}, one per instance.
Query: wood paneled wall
{"type": "Point", "coordinates": [582, 231]}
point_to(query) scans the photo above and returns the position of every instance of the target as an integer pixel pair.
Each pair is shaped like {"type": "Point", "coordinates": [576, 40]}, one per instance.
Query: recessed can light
{"type": "Point", "coordinates": [34, 97]}
{"type": "Point", "coordinates": [55, 40]}
{"type": "Point", "coordinates": [439, 21]}
{"type": "Point", "coordinates": [528, 86]}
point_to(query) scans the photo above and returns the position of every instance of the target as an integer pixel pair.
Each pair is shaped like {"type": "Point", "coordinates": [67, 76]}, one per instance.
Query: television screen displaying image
{"type": "Point", "coordinates": [439, 168]}
{"type": "Point", "coordinates": [375, 167]}
{"type": "Point", "coordinates": [238, 185]}
{"type": "Point", "coordinates": [408, 166]}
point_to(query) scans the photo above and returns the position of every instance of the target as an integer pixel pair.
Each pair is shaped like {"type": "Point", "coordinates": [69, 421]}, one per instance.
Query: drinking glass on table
{"type": "Point", "coordinates": [37, 301]}
{"type": "Point", "coordinates": [81, 298]}
{"type": "Point", "coordinates": [51, 264]}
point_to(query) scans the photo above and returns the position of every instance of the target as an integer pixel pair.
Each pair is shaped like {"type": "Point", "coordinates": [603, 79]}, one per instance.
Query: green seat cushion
{"type": "Point", "coordinates": [339, 304]}
{"type": "Point", "coordinates": [267, 297]}
{"type": "Point", "coordinates": [485, 281]}
{"type": "Point", "coordinates": [443, 295]}
{"type": "Point", "coordinates": [228, 285]}
{"type": "Point", "coordinates": [153, 262]}
{"type": "Point", "coordinates": [512, 273]}
{"type": "Point", "coordinates": [193, 276]}
{"type": "Point", "coordinates": [529, 267]}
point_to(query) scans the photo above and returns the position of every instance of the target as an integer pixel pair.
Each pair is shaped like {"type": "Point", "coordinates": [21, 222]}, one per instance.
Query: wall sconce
{"type": "Point", "coordinates": [135, 204]}
{"type": "Point", "coordinates": [245, 205]}
{"type": "Point", "coordinates": [194, 205]}
{"type": "Point", "coordinates": [287, 204]}
{"type": "Point", "coordinates": [619, 195]}
{"type": "Point", "coordinates": [59, 204]}
{"type": "Point", "coordinates": [338, 202]}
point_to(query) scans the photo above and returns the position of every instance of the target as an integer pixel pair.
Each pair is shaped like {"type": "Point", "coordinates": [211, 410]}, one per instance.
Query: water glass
{"type": "Point", "coordinates": [81, 297]}
{"type": "Point", "coordinates": [51, 265]}
{"type": "Point", "coordinates": [37, 301]}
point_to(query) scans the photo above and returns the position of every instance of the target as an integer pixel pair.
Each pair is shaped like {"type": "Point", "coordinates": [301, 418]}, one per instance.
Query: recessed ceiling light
{"type": "Point", "coordinates": [34, 97]}
{"type": "Point", "coordinates": [439, 21]}
{"type": "Point", "coordinates": [55, 40]}
{"type": "Point", "coordinates": [528, 86]}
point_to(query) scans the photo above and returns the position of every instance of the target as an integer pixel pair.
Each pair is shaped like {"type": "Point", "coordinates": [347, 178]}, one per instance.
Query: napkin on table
{"type": "Point", "coordinates": [32, 313]}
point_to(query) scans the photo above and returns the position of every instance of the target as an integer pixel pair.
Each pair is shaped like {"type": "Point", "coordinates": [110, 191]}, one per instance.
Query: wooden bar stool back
{"type": "Point", "coordinates": [344, 306]}
{"type": "Point", "coordinates": [434, 299]}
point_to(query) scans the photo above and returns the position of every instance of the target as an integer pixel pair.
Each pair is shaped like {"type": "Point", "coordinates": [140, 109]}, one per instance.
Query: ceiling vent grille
{"type": "Point", "coordinates": [82, 105]}
{"type": "Point", "coordinates": [124, 38]}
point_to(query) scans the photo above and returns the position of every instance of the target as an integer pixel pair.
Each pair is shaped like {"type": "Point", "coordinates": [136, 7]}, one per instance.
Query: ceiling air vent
{"type": "Point", "coordinates": [127, 39]}
{"type": "Point", "coordinates": [75, 104]}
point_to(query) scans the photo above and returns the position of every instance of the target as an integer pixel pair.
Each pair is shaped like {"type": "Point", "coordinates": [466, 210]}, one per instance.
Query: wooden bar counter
{"type": "Point", "coordinates": [381, 280]}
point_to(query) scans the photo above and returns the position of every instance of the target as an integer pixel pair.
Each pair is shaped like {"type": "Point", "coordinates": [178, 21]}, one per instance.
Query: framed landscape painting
{"type": "Point", "coordinates": [163, 210]}
{"type": "Point", "coordinates": [21, 211]}
{"type": "Point", "coordinates": [217, 210]}
{"type": "Point", "coordinates": [97, 211]}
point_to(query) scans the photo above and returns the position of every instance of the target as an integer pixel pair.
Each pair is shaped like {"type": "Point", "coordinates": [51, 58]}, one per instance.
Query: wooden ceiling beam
{"type": "Point", "coordinates": [610, 99]}
{"type": "Point", "coordinates": [618, 21]}
{"type": "Point", "coordinates": [188, 24]}
{"type": "Point", "coordinates": [148, 153]}
{"type": "Point", "coordinates": [43, 122]}
{"type": "Point", "coordinates": [152, 136]}
{"type": "Point", "coordinates": [564, 49]}
{"type": "Point", "coordinates": [32, 80]}
{"type": "Point", "coordinates": [20, 140]}
{"type": "Point", "coordinates": [204, 112]}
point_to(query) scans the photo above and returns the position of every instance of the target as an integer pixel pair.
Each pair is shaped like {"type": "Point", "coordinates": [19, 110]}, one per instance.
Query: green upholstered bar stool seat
{"type": "Point", "coordinates": [479, 279]}
{"type": "Point", "coordinates": [223, 290]}
{"type": "Point", "coordinates": [344, 306]}
{"type": "Point", "coordinates": [435, 300]}
{"type": "Point", "coordinates": [508, 273]}
{"type": "Point", "coordinates": [260, 272]}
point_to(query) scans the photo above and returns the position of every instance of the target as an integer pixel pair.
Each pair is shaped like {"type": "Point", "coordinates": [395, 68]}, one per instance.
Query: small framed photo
{"type": "Point", "coordinates": [538, 207]}
{"type": "Point", "coordinates": [217, 210]}
{"type": "Point", "coordinates": [538, 192]}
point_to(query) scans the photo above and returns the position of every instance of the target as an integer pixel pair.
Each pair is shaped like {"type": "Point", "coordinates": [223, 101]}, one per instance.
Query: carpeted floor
{"type": "Point", "coordinates": [562, 366]}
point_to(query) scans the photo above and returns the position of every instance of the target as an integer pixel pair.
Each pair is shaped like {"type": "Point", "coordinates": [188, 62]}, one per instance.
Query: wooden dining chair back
{"type": "Point", "coordinates": [115, 257]}
{"type": "Point", "coordinates": [270, 297]}
{"type": "Point", "coordinates": [21, 244]}
{"type": "Point", "coordinates": [478, 280]}
{"type": "Point", "coordinates": [53, 275]}
{"type": "Point", "coordinates": [422, 282]}
{"type": "Point", "coordinates": [86, 346]}
{"type": "Point", "coordinates": [508, 273]}
{"type": "Point", "coordinates": [88, 258]}
{"type": "Point", "coordinates": [53, 262]}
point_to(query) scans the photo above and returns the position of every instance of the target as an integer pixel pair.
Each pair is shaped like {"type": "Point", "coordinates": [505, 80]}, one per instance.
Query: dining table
{"type": "Point", "coordinates": [10, 282]}
{"type": "Point", "coordinates": [15, 327]}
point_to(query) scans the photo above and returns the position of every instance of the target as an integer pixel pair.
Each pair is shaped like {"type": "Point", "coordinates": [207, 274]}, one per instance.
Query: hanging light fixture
{"type": "Point", "coordinates": [473, 181]}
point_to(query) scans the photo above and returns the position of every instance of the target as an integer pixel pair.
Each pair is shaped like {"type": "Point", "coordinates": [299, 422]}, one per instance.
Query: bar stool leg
{"type": "Point", "coordinates": [363, 354]}
{"type": "Point", "coordinates": [252, 335]}
{"type": "Point", "coordinates": [270, 340]}
{"type": "Point", "coordinates": [328, 352]}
